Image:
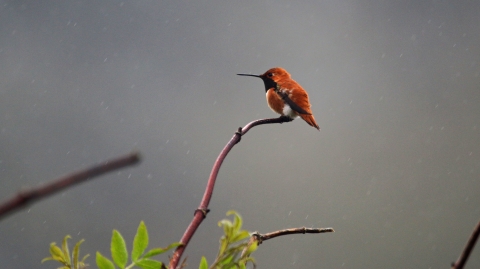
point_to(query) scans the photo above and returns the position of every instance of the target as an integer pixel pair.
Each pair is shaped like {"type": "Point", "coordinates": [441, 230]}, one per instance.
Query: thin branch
{"type": "Point", "coordinates": [258, 238]}
{"type": "Point", "coordinates": [302, 230]}
{"type": "Point", "coordinates": [28, 196]}
{"type": "Point", "coordinates": [462, 260]}
{"type": "Point", "coordinates": [202, 209]}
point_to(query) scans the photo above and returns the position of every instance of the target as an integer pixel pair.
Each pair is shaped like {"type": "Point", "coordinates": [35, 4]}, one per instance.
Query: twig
{"type": "Point", "coordinates": [257, 238]}
{"type": "Point", "coordinates": [202, 210]}
{"type": "Point", "coordinates": [27, 196]}
{"type": "Point", "coordinates": [462, 260]}
{"type": "Point", "coordinates": [302, 230]}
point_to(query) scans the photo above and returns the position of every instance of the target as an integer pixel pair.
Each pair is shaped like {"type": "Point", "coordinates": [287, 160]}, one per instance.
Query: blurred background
{"type": "Point", "coordinates": [394, 85]}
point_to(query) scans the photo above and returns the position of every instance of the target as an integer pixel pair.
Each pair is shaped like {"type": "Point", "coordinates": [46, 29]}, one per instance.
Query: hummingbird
{"type": "Point", "coordinates": [285, 96]}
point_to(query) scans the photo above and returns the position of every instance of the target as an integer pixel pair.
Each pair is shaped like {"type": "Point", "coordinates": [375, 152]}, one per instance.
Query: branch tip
{"type": "Point", "coordinates": [29, 195]}
{"type": "Point", "coordinates": [136, 156]}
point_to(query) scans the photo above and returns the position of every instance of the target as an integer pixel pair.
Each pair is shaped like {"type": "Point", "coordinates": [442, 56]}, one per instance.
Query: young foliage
{"type": "Point", "coordinates": [118, 247]}
{"type": "Point", "coordinates": [234, 251]}
{"type": "Point", "coordinates": [138, 256]}
{"type": "Point", "coordinates": [203, 263]}
{"type": "Point", "coordinates": [63, 255]}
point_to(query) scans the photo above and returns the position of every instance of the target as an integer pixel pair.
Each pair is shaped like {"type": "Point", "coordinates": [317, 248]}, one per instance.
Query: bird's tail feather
{"type": "Point", "coordinates": [310, 120]}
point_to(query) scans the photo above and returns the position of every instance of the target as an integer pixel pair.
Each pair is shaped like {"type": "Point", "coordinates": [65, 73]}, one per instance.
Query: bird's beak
{"type": "Point", "coordinates": [250, 75]}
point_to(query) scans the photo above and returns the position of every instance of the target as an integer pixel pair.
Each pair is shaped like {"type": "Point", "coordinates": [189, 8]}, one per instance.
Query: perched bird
{"type": "Point", "coordinates": [285, 96]}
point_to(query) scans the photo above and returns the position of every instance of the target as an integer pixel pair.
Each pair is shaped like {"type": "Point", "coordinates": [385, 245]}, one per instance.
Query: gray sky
{"type": "Point", "coordinates": [394, 85]}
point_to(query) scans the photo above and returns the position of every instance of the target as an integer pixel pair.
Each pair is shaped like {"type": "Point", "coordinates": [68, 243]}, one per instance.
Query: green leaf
{"type": "Point", "coordinates": [148, 264]}
{"type": "Point", "coordinates": [119, 249]}
{"type": "Point", "coordinates": [252, 247]}
{"type": "Point", "coordinates": [48, 259]}
{"type": "Point", "coordinates": [140, 242]}
{"type": "Point", "coordinates": [158, 251]}
{"type": "Point", "coordinates": [57, 254]}
{"type": "Point", "coordinates": [76, 253]}
{"type": "Point", "coordinates": [237, 220]}
{"type": "Point", "coordinates": [244, 261]}
{"type": "Point", "coordinates": [203, 263]}
{"type": "Point", "coordinates": [81, 264]}
{"type": "Point", "coordinates": [104, 263]}
{"type": "Point", "coordinates": [226, 260]}
{"type": "Point", "coordinates": [173, 245]}
{"type": "Point", "coordinates": [240, 236]}
{"type": "Point", "coordinates": [223, 245]}
{"type": "Point", "coordinates": [227, 227]}
{"type": "Point", "coordinates": [154, 252]}
{"type": "Point", "coordinates": [85, 257]}
{"type": "Point", "coordinates": [66, 252]}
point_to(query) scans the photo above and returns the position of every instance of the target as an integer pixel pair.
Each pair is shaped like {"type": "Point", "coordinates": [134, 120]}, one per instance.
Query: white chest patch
{"type": "Point", "coordinates": [288, 111]}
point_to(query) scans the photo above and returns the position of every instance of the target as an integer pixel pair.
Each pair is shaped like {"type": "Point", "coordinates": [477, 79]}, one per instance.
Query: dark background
{"type": "Point", "coordinates": [394, 85]}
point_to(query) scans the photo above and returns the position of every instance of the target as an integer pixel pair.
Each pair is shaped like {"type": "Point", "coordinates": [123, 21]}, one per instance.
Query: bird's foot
{"type": "Point", "coordinates": [285, 118]}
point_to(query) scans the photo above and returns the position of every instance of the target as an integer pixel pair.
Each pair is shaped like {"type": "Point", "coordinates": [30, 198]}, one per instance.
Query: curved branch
{"type": "Point", "coordinates": [202, 210]}
{"type": "Point", "coordinates": [25, 197]}
{"type": "Point", "coordinates": [462, 260]}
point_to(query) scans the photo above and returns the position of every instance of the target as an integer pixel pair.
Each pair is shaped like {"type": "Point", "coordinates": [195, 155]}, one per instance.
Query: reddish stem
{"type": "Point", "coordinates": [202, 209]}
{"type": "Point", "coordinates": [25, 197]}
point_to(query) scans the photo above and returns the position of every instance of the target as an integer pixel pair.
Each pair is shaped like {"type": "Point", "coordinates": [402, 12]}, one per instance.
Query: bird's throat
{"type": "Point", "coordinates": [269, 83]}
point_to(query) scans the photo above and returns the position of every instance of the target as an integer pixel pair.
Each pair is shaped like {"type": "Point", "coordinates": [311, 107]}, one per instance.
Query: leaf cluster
{"type": "Point", "coordinates": [62, 255]}
{"type": "Point", "coordinates": [234, 251]}
{"type": "Point", "coordinates": [138, 256]}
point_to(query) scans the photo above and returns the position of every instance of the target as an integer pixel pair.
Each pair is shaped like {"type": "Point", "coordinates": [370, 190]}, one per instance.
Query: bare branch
{"type": "Point", "coordinates": [302, 230]}
{"type": "Point", "coordinates": [258, 238]}
{"type": "Point", "coordinates": [28, 196]}
{"type": "Point", "coordinates": [462, 260]}
{"type": "Point", "coordinates": [202, 210]}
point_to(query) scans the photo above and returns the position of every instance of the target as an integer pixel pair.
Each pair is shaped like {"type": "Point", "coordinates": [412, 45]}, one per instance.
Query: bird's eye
{"type": "Point", "coordinates": [270, 75]}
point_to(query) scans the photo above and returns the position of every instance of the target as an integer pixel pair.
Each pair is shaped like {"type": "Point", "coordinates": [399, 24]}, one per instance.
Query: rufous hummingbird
{"type": "Point", "coordinates": [285, 96]}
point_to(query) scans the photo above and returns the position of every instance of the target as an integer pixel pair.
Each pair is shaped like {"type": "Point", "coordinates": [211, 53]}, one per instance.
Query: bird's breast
{"type": "Point", "coordinates": [274, 101]}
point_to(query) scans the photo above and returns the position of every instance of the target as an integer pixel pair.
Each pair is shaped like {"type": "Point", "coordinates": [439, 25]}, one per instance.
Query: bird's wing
{"type": "Point", "coordinates": [289, 101]}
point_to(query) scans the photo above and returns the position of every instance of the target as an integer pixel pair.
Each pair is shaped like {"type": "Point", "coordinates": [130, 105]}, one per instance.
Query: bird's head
{"type": "Point", "coordinates": [271, 77]}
